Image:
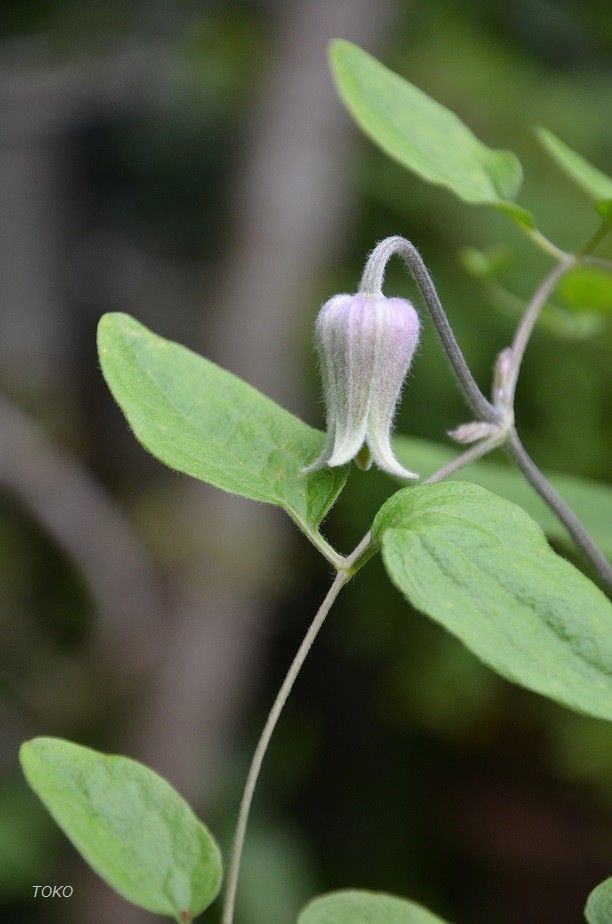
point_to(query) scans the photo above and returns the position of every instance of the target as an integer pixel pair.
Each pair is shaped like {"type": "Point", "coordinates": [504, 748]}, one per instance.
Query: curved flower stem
{"type": "Point", "coordinates": [527, 323]}
{"type": "Point", "coordinates": [372, 281]}
{"type": "Point", "coordinates": [534, 476]}
{"type": "Point", "coordinates": [344, 574]}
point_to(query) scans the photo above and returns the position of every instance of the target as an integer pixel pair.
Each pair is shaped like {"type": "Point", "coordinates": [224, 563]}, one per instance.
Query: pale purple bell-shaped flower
{"type": "Point", "coordinates": [365, 344]}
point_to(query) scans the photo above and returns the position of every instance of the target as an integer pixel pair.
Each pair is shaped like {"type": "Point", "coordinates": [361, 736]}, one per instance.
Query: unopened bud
{"type": "Point", "coordinates": [365, 344]}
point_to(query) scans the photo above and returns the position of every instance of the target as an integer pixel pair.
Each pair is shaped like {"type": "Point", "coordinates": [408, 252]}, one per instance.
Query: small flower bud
{"type": "Point", "coordinates": [365, 344]}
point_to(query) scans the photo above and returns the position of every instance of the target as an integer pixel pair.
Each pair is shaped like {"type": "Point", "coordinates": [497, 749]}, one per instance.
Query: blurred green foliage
{"type": "Point", "coordinates": [403, 739]}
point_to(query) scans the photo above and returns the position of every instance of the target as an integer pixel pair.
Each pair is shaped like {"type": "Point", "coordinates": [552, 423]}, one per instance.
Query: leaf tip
{"type": "Point", "coordinates": [24, 752]}
{"type": "Point", "coordinates": [337, 47]}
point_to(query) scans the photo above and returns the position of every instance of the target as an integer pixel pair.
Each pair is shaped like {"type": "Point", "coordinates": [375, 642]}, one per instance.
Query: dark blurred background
{"type": "Point", "coordinates": [189, 162]}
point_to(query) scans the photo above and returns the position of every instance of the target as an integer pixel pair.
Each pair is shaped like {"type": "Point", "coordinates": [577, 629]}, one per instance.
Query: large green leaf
{"type": "Point", "coordinates": [481, 567]}
{"type": "Point", "coordinates": [598, 908]}
{"type": "Point", "coordinates": [353, 907]}
{"type": "Point", "coordinates": [421, 134]}
{"type": "Point", "coordinates": [592, 180]}
{"type": "Point", "coordinates": [129, 824]}
{"type": "Point", "coordinates": [206, 422]}
{"type": "Point", "coordinates": [590, 501]}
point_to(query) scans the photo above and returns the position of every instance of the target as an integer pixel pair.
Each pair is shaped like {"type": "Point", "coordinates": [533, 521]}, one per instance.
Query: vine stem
{"type": "Point", "coordinates": [482, 448]}
{"type": "Point", "coordinates": [262, 745]}
{"type": "Point", "coordinates": [598, 262]}
{"type": "Point", "coordinates": [342, 577]}
{"type": "Point", "coordinates": [372, 281]}
{"type": "Point", "coordinates": [528, 321]}
{"type": "Point", "coordinates": [532, 473]}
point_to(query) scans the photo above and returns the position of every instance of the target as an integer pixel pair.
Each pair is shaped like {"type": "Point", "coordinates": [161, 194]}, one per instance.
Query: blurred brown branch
{"type": "Point", "coordinates": [91, 528]}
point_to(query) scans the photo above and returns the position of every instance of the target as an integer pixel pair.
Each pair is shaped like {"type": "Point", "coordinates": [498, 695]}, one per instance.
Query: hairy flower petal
{"type": "Point", "coordinates": [365, 344]}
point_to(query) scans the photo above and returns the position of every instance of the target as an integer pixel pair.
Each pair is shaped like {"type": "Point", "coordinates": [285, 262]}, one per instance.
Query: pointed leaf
{"type": "Point", "coordinates": [481, 567]}
{"type": "Point", "coordinates": [130, 825]}
{"type": "Point", "coordinates": [202, 420]}
{"type": "Point", "coordinates": [599, 904]}
{"type": "Point", "coordinates": [358, 907]}
{"type": "Point", "coordinates": [593, 181]}
{"type": "Point", "coordinates": [421, 134]}
{"type": "Point", "coordinates": [590, 500]}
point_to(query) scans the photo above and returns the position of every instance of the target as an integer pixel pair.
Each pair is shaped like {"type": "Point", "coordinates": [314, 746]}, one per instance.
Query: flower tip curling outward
{"type": "Point", "coordinates": [365, 344]}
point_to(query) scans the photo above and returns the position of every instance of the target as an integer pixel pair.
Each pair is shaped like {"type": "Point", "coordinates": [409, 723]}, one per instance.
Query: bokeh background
{"type": "Point", "coordinates": [189, 162]}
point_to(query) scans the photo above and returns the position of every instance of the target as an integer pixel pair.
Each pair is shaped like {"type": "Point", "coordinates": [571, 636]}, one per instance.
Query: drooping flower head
{"type": "Point", "coordinates": [365, 344]}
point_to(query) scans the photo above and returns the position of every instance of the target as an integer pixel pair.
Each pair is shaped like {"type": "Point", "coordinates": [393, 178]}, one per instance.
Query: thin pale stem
{"type": "Point", "coordinates": [528, 321]}
{"type": "Point", "coordinates": [598, 263]}
{"type": "Point", "coordinates": [569, 519]}
{"type": "Point", "coordinates": [372, 282]}
{"type": "Point", "coordinates": [262, 745]}
{"type": "Point", "coordinates": [477, 451]}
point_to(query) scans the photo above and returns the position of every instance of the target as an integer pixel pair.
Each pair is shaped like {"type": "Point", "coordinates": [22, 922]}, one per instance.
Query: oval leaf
{"type": "Point", "coordinates": [590, 501]}
{"type": "Point", "coordinates": [202, 420]}
{"type": "Point", "coordinates": [599, 904]}
{"type": "Point", "coordinates": [130, 825]}
{"type": "Point", "coordinates": [421, 134]}
{"type": "Point", "coordinates": [482, 568]}
{"type": "Point", "coordinates": [593, 181]}
{"type": "Point", "coordinates": [353, 907]}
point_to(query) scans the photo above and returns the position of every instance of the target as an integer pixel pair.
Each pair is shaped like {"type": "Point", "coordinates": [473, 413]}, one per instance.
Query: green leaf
{"type": "Point", "coordinates": [590, 501]}
{"type": "Point", "coordinates": [587, 289]}
{"type": "Point", "coordinates": [481, 567]}
{"type": "Point", "coordinates": [598, 908]}
{"type": "Point", "coordinates": [353, 907]}
{"type": "Point", "coordinates": [423, 135]}
{"type": "Point", "coordinates": [592, 180]}
{"type": "Point", "coordinates": [130, 825]}
{"type": "Point", "coordinates": [202, 420]}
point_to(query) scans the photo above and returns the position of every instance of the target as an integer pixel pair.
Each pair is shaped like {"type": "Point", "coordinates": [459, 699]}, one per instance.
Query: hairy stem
{"type": "Point", "coordinates": [335, 559]}
{"type": "Point", "coordinates": [262, 745]}
{"type": "Point", "coordinates": [372, 281]}
{"type": "Point", "coordinates": [569, 519]}
{"type": "Point", "coordinates": [349, 565]}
